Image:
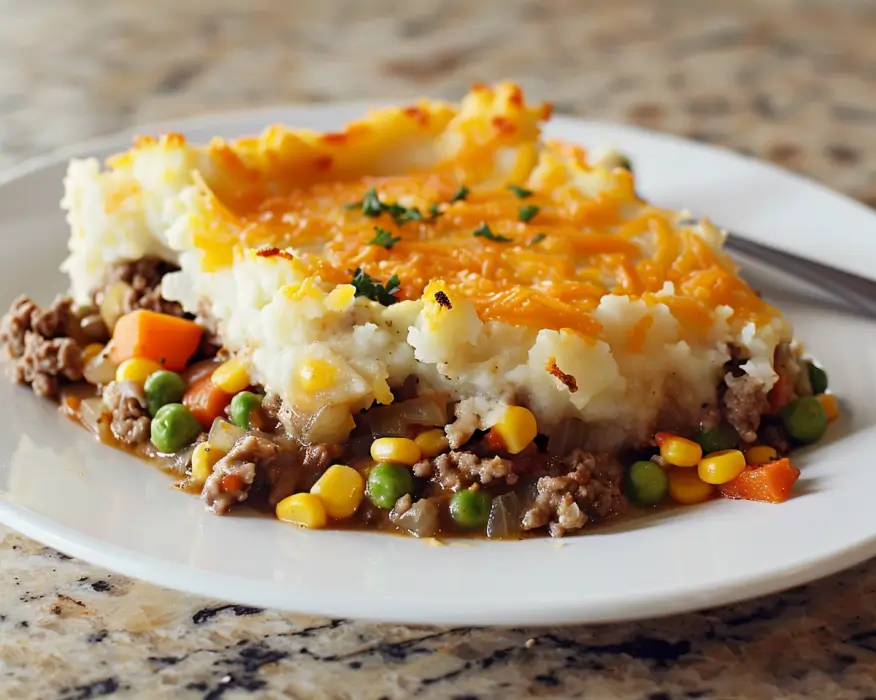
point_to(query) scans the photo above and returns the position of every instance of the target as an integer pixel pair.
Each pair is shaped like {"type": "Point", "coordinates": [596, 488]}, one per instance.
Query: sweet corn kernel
{"type": "Point", "coordinates": [686, 487]}
{"type": "Point", "coordinates": [830, 405]}
{"type": "Point", "coordinates": [317, 375]}
{"type": "Point", "coordinates": [398, 450]}
{"type": "Point", "coordinates": [137, 369]}
{"type": "Point", "coordinates": [760, 454]}
{"type": "Point", "coordinates": [204, 458]}
{"type": "Point", "coordinates": [340, 489]}
{"type": "Point", "coordinates": [678, 451]}
{"type": "Point", "coordinates": [517, 428]}
{"type": "Point", "coordinates": [91, 351]}
{"type": "Point", "coordinates": [432, 442]}
{"type": "Point", "coordinates": [302, 509]}
{"type": "Point", "coordinates": [340, 297]}
{"type": "Point", "coordinates": [721, 467]}
{"type": "Point", "coordinates": [231, 376]}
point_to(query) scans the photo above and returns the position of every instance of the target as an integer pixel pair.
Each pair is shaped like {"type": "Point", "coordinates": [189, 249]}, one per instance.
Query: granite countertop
{"type": "Point", "coordinates": [790, 81]}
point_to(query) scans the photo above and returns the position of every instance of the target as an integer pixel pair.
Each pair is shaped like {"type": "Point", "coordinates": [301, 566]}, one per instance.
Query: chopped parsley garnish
{"type": "Point", "coordinates": [527, 213]}
{"type": "Point", "coordinates": [401, 214]}
{"type": "Point", "coordinates": [521, 192]}
{"type": "Point", "coordinates": [384, 238]}
{"type": "Point", "coordinates": [435, 211]}
{"type": "Point", "coordinates": [485, 232]}
{"type": "Point", "coordinates": [538, 238]}
{"type": "Point", "coordinates": [366, 287]}
{"type": "Point", "coordinates": [371, 206]}
{"type": "Point", "coordinates": [461, 194]}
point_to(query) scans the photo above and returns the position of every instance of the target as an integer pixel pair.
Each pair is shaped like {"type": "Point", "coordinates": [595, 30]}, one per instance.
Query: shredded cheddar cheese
{"type": "Point", "coordinates": [444, 246]}
{"type": "Point", "coordinates": [544, 261]}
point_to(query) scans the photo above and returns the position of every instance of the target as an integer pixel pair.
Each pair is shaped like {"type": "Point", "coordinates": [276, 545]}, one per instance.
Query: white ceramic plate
{"type": "Point", "coordinates": [57, 485]}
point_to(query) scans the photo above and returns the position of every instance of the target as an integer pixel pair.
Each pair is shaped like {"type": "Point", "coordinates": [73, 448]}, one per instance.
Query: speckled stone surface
{"type": "Point", "coordinates": [789, 81]}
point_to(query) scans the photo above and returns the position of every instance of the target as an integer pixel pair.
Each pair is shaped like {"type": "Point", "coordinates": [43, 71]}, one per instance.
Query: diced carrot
{"type": "Point", "coordinates": [168, 340]}
{"type": "Point", "coordinates": [770, 482]}
{"type": "Point", "coordinates": [231, 482]}
{"type": "Point", "coordinates": [780, 395]}
{"type": "Point", "coordinates": [494, 441]}
{"type": "Point", "coordinates": [205, 400]}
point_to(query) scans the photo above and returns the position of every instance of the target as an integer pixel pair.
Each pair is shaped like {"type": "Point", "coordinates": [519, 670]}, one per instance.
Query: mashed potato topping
{"type": "Point", "coordinates": [447, 243]}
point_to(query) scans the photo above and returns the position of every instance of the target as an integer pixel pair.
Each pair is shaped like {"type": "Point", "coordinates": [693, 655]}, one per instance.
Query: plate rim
{"type": "Point", "coordinates": [187, 580]}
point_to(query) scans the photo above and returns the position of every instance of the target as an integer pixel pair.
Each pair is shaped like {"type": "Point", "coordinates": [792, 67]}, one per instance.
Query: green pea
{"type": "Point", "coordinates": [817, 378]}
{"type": "Point", "coordinates": [804, 419]}
{"type": "Point", "coordinates": [163, 387]}
{"type": "Point", "coordinates": [470, 509]}
{"type": "Point", "coordinates": [716, 439]}
{"type": "Point", "coordinates": [174, 427]}
{"type": "Point", "coordinates": [646, 484]}
{"type": "Point", "coordinates": [242, 406]}
{"type": "Point", "coordinates": [387, 483]}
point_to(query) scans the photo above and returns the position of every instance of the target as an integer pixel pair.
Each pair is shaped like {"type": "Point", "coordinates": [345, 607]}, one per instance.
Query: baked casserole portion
{"type": "Point", "coordinates": [436, 299]}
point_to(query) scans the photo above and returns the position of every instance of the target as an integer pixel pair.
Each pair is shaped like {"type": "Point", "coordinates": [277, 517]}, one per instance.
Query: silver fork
{"type": "Point", "coordinates": [858, 293]}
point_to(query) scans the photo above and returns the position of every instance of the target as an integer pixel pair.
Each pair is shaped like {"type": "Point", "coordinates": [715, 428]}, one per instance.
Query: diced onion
{"type": "Point", "coordinates": [568, 435]}
{"type": "Point", "coordinates": [112, 304]}
{"type": "Point", "coordinates": [396, 419]}
{"type": "Point", "coordinates": [504, 520]}
{"type": "Point", "coordinates": [424, 411]}
{"type": "Point", "coordinates": [100, 369]}
{"type": "Point", "coordinates": [421, 519]}
{"type": "Point", "coordinates": [90, 412]}
{"type": "Point", "coordinates": [223, 434]}
{"type": "Point", "coordinates": [388, 424]}
{"type": "Point", "coordinates": [329, 425]}
{"type": "Point", "coordinates": [176, 463]}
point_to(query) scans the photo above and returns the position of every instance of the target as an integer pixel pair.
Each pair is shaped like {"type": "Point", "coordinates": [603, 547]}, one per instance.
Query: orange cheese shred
{"type": "Point", "coordinates": [639, 334]}
{"type": "Point", "coordinates": [304, 192]}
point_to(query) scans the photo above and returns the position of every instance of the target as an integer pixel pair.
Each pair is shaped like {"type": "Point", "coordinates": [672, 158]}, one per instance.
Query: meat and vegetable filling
{"type": "Point", "coordinates": [143, 375]}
